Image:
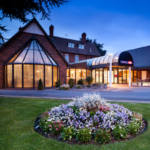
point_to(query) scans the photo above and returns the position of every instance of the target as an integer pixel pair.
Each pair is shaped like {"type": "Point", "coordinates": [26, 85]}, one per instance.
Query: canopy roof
{"type": "Point", "coordinates": [101, 60]}
{"type": "Point", "coordinates": [33, 53]}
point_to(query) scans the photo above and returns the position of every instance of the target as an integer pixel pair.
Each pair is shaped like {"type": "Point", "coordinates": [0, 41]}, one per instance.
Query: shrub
{"type": "Point", "coordinates": [133, 127]}
{"type": "Point", "coordinates": [71, 83]}
{"type": "Point", "coordinates": [88, 86]}
{"type": "Point", "coordinates": [80, 82]}
{"type": "Point", "coordinates": [40, 85]}
{"type": "Point", "coordinates": [78, 87]}
{"type": "Point", "coordinates": [92, 113]}
{"type": "Point", "coordinates": [89, 79]}
{"type": "Point", "coordinates": [102, 136]}
{"type": "Point", "coordinates": [65, 87]}
{"type": "Point", "coordinates": [119, 132]}
{"type": "Point", "coordinates": [58, 83]}
{"type": "Point", "coordinates": [68, 133]}
{"type": "Point", "coordinates": [84, 135]}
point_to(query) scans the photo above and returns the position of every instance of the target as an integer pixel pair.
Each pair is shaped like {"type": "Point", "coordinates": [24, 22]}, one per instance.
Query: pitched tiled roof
{"type": "Point", "coordinates": [34, 20]}
{"type": "Point", "coordinates": [62, 46]}
{"type": "Point", "coordinates": [141, 56]}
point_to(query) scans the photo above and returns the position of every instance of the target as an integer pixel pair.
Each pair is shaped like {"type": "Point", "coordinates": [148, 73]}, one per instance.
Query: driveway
{"type": "Point", "coordinates": [121, 93]}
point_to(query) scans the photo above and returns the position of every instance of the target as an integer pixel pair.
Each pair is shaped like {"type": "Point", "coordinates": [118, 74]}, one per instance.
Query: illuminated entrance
{"type": "Point", "coordinates": [118, 76]}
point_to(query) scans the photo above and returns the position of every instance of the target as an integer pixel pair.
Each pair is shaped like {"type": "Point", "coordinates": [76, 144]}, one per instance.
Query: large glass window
{"type": "Point", "coordinates": [93, 75]}
{"type": "Point", "coordinates": [18, 76]}
{"type": "Point", "coordinates": [72, 73]}
{"type": "Point", "coordinates": [54, 75]}
{"type": "Point", "coordinates": [105, 76]}
{"type": "Point", "coordinates": [28, 76]}
{"type": "Point", "coordinates": [68, 73]}
{"type": "Point", "coordinates": [101, 75]}
{"type": "Point", "coordinates": [84, 75]}
{"type": "Point", "coordinates": [39, 74]}
{"type": "Point", "coordinates": [120, 75]}
{"type": "Point", "coordinates": [97, 75]}
{"type": "Point", "coordinates": [88, 72]}
{"type": "Point", "coordinates": [29, 65]}
{"type": "Point", "coordinates": [9, 75]}
{"type": "Point", "coordinates": [48, 76]}
{"type": "Point", "coordinates": [124, 76]}
{"type": "Point", "coordinates": [78, 75]}
{"type": "Point", "coordinates": [115, 76]}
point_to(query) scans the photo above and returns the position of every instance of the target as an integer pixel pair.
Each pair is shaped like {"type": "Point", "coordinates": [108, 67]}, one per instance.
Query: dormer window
{"type": "Point", "coordinates": [81, 46]}
{"type": "Point", "coordinates": [90, 49]}
{"type": "Point", "coordinates": [71, 45]}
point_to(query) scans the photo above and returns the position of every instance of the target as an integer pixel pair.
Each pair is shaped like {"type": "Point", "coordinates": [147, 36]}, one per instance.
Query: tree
{"type": "Point", "coordinates": [98, 46]}
{"type": "Point", "coordinates": [19, 9]}
{"type": "Point", "coordinates": [40, 85]}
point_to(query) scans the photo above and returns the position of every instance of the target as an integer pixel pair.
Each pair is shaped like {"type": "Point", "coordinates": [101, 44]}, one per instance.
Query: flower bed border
{"type": "Point", "coordinates": [74, 141]}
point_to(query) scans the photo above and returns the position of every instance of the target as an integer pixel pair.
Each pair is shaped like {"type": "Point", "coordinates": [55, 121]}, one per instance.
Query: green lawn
{"type": "Point", "coordinates": [17, 116]}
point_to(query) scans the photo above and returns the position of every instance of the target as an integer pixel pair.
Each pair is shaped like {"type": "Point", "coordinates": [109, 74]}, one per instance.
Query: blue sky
{"type": "Point", "coordinates": [119, 24]}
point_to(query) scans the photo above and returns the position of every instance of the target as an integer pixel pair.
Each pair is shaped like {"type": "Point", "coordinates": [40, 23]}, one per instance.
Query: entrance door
{"type": "Point", "coordinates": [120, 75]}
{"type": "Point", "coordinates": [124, 76]}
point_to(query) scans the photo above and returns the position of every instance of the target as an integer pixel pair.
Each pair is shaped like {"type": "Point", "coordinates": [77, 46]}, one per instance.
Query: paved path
{"type": "Point", "coordinates": [122, 93]}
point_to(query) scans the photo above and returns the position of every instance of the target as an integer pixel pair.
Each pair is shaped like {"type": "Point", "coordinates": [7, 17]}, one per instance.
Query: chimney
{"type": "Point", "coordinates": [20, 28]}
{"type": "Point", "coordinates": [51, 31]}
{"type": "Point", "coordinates": [84, 37]}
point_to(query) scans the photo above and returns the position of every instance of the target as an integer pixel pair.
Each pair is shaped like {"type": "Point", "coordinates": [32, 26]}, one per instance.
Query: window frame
{"type": "Point", "coordinates": [67, 58]}
{"type": "Point", "coordinates": [76, 58]}
{"type": "Point", "coordinates": [81, 46]}
{"type": "Point", "coordinates": [71, 45]}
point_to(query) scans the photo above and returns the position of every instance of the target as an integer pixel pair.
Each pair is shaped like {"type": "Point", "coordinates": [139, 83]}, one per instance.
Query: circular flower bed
{"type": "Point", "coordinates": [90, 118]}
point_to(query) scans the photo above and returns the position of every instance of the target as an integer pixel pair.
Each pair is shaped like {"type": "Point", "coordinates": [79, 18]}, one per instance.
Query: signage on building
{"type": "Point", "coordinates": [116, 75]}
{"type": "Point", "coordinates": [126, 62]}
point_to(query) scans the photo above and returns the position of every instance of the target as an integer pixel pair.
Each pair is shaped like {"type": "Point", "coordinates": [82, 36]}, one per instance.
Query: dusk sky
{"type": "Point", "coordinates": [119, 25]}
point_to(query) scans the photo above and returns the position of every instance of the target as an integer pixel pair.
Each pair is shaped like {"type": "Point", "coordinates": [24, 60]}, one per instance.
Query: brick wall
{"type": "Point", "coordinates": [14, 45]}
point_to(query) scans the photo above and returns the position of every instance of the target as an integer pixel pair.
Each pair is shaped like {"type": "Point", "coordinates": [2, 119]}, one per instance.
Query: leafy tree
{"type": "Point", "coordinates": [19, 9]}
{"type": "Point", "coordinates": [98, 46]}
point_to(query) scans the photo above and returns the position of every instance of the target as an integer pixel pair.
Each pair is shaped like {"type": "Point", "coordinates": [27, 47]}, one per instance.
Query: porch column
{"type": "Point", "coordinates": [129, 76]}
{"type": "Point", "coordinates": [110, 71]}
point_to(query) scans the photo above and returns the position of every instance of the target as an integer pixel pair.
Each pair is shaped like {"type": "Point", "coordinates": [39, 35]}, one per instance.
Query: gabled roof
{"type": "Point", "coordinates": [62, 45]}
{"type": "Point", "coordinates": [22, 29]}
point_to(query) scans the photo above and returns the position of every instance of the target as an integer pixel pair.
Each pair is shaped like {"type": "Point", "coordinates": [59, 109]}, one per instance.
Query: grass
{"type": "Point", "coordinates": [17, 116]}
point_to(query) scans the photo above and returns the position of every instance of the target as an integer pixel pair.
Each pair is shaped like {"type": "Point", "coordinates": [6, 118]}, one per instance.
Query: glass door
{"type": "Point", "coordinates": [105, 75]}
{"type": "Point", "coordinates": [120, 75]}
{"type": "Point", "coordinates": [101, 75]}
{"type": "Point", "coordinates": [124, 76]}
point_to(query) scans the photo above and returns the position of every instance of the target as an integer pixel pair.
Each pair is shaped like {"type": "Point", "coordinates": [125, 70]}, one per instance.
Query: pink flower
{"type": "Point", "coordinates": [55, 126]}
{"type": "Point", "coordinates": [56, 129]}
{"type": "Point", "coordinates": [50, 126]}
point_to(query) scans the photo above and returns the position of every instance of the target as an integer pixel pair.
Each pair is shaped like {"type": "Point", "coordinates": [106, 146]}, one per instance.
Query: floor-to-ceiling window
{"type": "Point", "coordinates": [101, 75]}
{"type": "Point", "coordinates": [78, 75]}
{"type": "Point", "coordinates": [93, 75]}
{"type": "Point", "coordinates": [105, 75]}
{"type": "Point", "coordinates": [28, 66]}
{"type": "Point", "coordinates": [97, 75]}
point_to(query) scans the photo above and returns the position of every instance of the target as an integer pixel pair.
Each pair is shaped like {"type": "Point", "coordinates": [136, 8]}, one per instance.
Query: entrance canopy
{"type": "Point", "coordinates": [118, 59]}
